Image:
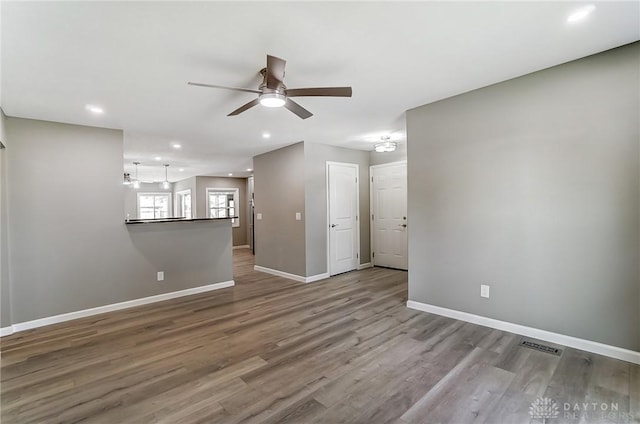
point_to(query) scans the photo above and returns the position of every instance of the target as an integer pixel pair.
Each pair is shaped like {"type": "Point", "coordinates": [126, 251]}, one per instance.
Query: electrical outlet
{"type": "Point", "coordinates": [298, 216]}
{"type": "Point", "coordinates": [484, 290]}
{"type": "Point", "coordinates": [160, 275]}
{"type": "Point", "coordinates": [258, 216]}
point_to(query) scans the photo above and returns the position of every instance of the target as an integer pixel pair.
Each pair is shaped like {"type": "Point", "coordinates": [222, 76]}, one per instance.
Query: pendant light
{"type": "Point", "coordinates": [136, 181]}
{"type": "Point", "coordinates": [165, 184]}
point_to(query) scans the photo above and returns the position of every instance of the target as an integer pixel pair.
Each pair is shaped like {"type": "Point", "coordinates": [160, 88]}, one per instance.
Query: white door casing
{"type": "Point", "coordinates": [342, 217]}
{"type": "Point", "coordinates": [389, 215]}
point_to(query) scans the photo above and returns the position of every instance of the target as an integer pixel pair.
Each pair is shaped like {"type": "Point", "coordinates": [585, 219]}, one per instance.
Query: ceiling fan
{"type": "Point", "coordinates": [273, 93]}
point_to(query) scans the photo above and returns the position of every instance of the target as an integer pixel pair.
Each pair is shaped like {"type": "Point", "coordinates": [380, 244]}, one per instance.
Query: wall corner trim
{"type": "Point", "coordinates": [27, 325]}
{"type": "Point", "coordinates": [293, 277]}
{"type": "Point", "coordinates": [573, 342]}
{"type": "Point", "coordinates": [365, 266]}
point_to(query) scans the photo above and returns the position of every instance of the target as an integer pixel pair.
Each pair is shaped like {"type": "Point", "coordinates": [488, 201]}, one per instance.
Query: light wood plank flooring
{"type": "Point", "coordinates": [271, 350]}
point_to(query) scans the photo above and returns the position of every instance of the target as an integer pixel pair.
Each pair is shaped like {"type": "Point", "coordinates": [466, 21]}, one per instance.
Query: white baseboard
{"type": "Point", "coordinates": [283, 274]}
{"type": "Point", "coordinates": [6, 331]}
{"type": "Point", "coordinates": [574, 342]}
{"type": "Point", "coordinates": [316, 277]}
{"type": "Point", "coordinates": [27, 325]}
{"type": "Point", "coordinates": [244, 246]}
{"type": "Point", "coordinates": [365, 266]}
{"type": "Point", "coordinates": [293, 277]}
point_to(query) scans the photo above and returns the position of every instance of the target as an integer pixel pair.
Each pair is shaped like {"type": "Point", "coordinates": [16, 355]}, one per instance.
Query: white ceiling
{"type": "Point", "coordinates": [134, 60]}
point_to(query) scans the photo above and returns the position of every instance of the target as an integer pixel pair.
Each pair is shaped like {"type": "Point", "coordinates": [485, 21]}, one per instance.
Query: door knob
{"type": "Point", "coordinates": [334, 225]}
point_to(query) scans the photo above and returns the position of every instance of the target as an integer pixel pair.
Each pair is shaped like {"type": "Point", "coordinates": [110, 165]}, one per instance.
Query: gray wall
{"type": "Point", "coordinates": [280, 193]}
{"type": "Point", "coordinates": [131, 197]}
{"type": "Point", "coordinates": [532, 186]}
{"type": "Point", "coordinates": [315, 174]}
{"type": "Point", "coordinates": [70, 249]}
{"type": "Point", "coordinates": [5, 300]}
{"type": "Point", "coordinates": [202, 183]}
{"type": "Point", "coordinates": [249, 210]}
{"type": "Point", "coordinates": [399, 154]}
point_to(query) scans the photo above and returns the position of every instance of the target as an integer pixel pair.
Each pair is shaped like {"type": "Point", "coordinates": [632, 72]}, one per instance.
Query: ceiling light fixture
{"type": "Point", "coordinates": [181, 169]}
{"type": "Point", "coordinates": [581, 13]}
{"type": "Point", "coordinates": [176, 145]}
{"type": "Point", "coordinates": [136, 181]}
{"type": "Point", "coordinates": [165, 184]}
{"type": "Point", "coordinates": [266, 135]}
{"type": "Point", "coordinates": [273, 99]}
{"type": "Point", "coordinates": [386, 145]}
{"type": "Point", "coordinates": [158, 158]}
{"type": "Point", "coordinates": [230, 174]}
{"type": "Point", "coordinates": [249, 169]}
{"type": "Point", "coordinates": [94, 109]}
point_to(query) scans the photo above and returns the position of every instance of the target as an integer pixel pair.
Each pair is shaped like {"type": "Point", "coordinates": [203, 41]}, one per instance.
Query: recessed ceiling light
{"type": "Point", "coordinates": [181, 169]}
{"type": "Point", "coordinates": [581, 13]}
{"type": "Point", "coordinates": [266, 135]}
{"type": "Point", "coordinates": [249, 169]}
{"type": "Point", "coordinates": [176, 145]}
{"type": "Point", "coordinates": [230, 174]}
{"type": "Point", "coordinates": [158, 158]}
{"type": "Point", "coordinates": [94, 109]}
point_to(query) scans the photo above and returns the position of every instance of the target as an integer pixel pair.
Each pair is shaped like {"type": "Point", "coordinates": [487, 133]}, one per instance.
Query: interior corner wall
{"type": "Point", "coordinates": [186, 184]}
{"type": "Point", "coordinates": [70, 249]}
{"type": "Point", "coordinates": [279, 193]}
{"type": "Point", "coordinates": [315, 158]}
{"type": "Point", "coordinates": [533, 187]}
{"type": "Point", "coordinates": [200, 194]}
{"type": "Point", "coordinates": [5, 295]}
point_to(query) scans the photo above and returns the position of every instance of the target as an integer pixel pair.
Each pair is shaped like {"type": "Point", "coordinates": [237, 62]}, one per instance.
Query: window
{"type": "Point", "coordinates": [183, 203]}
{"type": "Point", "coordinates": [223, 203]}
{"type": "Point", "coordinates": [153, 205]}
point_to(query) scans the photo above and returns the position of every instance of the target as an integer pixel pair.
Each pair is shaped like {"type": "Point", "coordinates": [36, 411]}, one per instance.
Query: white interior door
{"type": "Point", "coordinates": [343, 216]}
{"type": "Point", "coordinates": [389, 215]}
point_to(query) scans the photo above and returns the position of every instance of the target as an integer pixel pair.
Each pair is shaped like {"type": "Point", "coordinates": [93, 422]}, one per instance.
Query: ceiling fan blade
{"type": "Point", "coordinates": [275, 71]}
{"type": "Point", "coordinates": [320, 91]}
{"type": "Point", "coordinates": [244, 107]}
{"type": "Point", "coordinates": [246, 90]}
{"type": "Point", "coordinates": [297, 109]}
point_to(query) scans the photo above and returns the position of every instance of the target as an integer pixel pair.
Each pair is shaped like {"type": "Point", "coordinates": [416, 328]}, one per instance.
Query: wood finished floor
{"type": "Point", "coordinates": [270, 350]}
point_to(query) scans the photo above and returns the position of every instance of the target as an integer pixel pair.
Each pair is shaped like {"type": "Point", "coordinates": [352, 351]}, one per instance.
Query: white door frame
{"type": "Point", "coordinates": [328, 223]}
{"type": "Point", "coordinates": [371, 232]}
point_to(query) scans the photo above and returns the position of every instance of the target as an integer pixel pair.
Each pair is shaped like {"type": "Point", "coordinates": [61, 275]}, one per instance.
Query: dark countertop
{"type": "Point", "coordinates": [163, 220]}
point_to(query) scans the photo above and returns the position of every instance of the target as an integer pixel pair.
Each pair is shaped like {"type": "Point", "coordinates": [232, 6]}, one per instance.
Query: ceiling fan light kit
{"type": "Point", "coordinates": [272, 99]}
{"type": "Point", "coordinates": [273, 93]}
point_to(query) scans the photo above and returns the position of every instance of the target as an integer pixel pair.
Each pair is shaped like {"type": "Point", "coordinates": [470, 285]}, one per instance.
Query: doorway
{"type": "Point", "coordinates": [342, 217]}
{"type": "Point", "coordinates": [389, 215]}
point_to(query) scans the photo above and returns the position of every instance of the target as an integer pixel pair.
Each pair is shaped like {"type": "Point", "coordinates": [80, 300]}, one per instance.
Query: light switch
{"type": "Point", "coordinates": [298, 216]}
{"type": "Point", "coordinates": [258, 216]}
